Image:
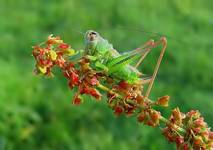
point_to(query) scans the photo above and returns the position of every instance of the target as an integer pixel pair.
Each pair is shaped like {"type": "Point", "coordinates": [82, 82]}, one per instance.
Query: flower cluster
{"type": "Point", "coordinates": [51, 53]}
{"type": "Point", "coordinates": [89, 79]}
{"type": "Point", "coordinates": [128, 99]}
{"type": "Point", "coordinates": [149, 117]}
{"type": "Point", "coordinates": [197, 134]}
{"type": "Point", "coordinates": [186, 130]}
{"type": "Point", "coordinates": [125, 98]}
{"type": "Point", "coordinates": [54, 52]}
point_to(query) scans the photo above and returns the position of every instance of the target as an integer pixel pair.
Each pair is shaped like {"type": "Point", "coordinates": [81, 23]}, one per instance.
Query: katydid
{"type": "Point", "coordinates": [118, 65]}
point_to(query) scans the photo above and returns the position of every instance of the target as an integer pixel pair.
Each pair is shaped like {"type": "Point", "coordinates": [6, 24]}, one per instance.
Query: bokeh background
{"type": "Point", "coordinates": [37, 113]}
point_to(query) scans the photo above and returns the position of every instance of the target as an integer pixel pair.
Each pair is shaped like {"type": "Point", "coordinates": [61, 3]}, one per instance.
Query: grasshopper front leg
{"type": "Point", "coordinates": [98, 65]}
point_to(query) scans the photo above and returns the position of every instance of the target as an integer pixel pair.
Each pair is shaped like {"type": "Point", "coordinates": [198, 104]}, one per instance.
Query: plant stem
{"type": "Point", "coordinates": [166, 121]}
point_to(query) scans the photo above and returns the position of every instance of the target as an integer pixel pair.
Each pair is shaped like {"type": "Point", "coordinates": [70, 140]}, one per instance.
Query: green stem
{"type": "Point", "coordinates": [166, 121]}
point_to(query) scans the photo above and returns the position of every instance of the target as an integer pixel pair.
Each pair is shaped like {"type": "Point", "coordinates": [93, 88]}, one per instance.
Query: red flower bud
{"type": "Point", "coordinates": [93, 92]}
{"type": "Point", "coordinates": [211, 135]}
{"type": "Point", "coordinates": [163, 101]}
{"type": "Point", "coordinates": [118, 110]}
{"type": "Point", "coordinates": [141, 117]}
{"type": "Point", "coordinates": [53, 40]}
{"type": "Point", "coordinates": [84, 90]}
{"type": "Point", "coordinates": [185, 146]}
{"type": "Point", "coordinates": [74, 78]}
{"type": "Point", "coordinates": [77, 100]}
{"type": "Point", "coordinates": [198, 141]}
{"type": "Point", "coordinates": [193, 113]}
{"type": "Point", "coordinates": [179, 140]}
{"type": "Point", "coordinates": [177, 115]}
{"type": "Point", "coordinates": [150, 123]}
{"type": "Point", "coordinates": [60, 62]}
{"type": "Point", "coordinates": [94, 80]}
{"type": "Point", "coordinates": [66, 74]}
{"type": "Point", "coordinates": [140, 99]}
{"type": "Point", "coordinates": [200, 122]}
{"type": "Point", "coordinates": [64, 46]}
{"type": "Point", "coordinates": [196, 130]}
{"type": "Point", "coordinates": [155, 115]}
{"type": "Point", "coordinates": [123, 85]}
{"type": "Point", "coordinates": [129, 111]}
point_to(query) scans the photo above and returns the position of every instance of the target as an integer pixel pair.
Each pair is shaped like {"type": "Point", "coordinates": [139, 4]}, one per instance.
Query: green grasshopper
{"type": "Point", "coordinates": [117, 65]}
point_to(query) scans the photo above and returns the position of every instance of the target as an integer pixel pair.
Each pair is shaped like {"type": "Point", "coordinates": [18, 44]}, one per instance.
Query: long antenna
{"type": "Point", "coordinates": [77, 31]}
{"type": "Point", "coordinates": [147, 32]}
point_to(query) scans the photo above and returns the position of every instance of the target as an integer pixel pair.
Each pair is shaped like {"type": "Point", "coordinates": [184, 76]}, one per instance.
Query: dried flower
{"type": "Point", "coordinates": [176, 116]}
{"type": "Point", "coordinates": [123, 85]}
{"type": "Point", "coordinates": [141, 117]}
{"type": "Point", "coordinates": [77, 100]}
{"type": "Point", "coordinates": [118, 110]}
{"type": "Point", "coordinates": [94, 81]}
{"type": "Point", "coordinates": [163, 101]}
{"type": "Point", "coordinates": [63, 46]}
{"type": "Point", "coordinates": [95, 93]}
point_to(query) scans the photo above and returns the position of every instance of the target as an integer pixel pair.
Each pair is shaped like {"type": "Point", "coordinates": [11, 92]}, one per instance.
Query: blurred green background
{"type": "Point", "coordinates": [36, 113]}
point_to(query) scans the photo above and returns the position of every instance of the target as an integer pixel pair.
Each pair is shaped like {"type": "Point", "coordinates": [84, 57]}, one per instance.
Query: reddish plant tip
{"type": "Point", "coordinates": [53, 40]}
{"type": "Point", "coordinates": [123, 85]}
{"type": "Point", "coordinates": [64, 46]}
{"type": "Point", "coordinates": [149, 117]}
{"type": "Point", "coordinates": [179, 141]}
{"type": "Point", "coordinates": [211, 136]}
{"type": "Point", "coordinates": [77, 101]}
{"type": "Point", "coordinates": [196, 130]}
{"type": "Point", "coordinates": [176, 116]}
{"type": "Point", "coordinates": [74, 77]}
{"type": "Point", "coordinates": [155, 115]}
{"type": "Point", "coordinates": [118, 110]}
{"type": "Point", "coordinates": [140, 99]}
{"type": "Point", "coordinates": [94, 81]}
{"type": "Point", "coordinates": [95, 93]}
{"type": "Point", "coordinates": [130, 111]}
{"type": "Point", "coordinates": [185, 146]}
{"type": "Point", "coordinates": [163, 101]}
{"type": "Point", "coordinates": [200, 122]}
{"type": "Point", "coordinates": [141, 117]}
{"type": "Point", "coordinates": [90, 91]}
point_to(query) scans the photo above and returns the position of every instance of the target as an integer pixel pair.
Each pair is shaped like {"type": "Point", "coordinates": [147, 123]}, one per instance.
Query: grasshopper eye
{"type": "Point", "coordinates": [93, 33]}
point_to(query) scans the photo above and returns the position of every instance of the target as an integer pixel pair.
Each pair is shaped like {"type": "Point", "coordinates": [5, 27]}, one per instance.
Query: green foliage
{"type": "Point", "coordinates": [37, 113]}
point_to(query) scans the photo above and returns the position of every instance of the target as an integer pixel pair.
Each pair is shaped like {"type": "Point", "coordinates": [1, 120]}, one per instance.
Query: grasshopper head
{"type": "Point", "coordinates": [91, 37]}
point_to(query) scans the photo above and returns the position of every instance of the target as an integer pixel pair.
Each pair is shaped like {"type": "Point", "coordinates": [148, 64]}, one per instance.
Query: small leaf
{"type": "Point", "coordinates": [70, 52]}
{"type": "Point", "coordinates": [43, 70]}
{"type": "Point", "coordinates": [53, 55]}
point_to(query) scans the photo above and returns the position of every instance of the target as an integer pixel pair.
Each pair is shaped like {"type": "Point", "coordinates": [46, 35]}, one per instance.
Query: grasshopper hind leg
{"type": "Point", "coordinates": [162, 41]}
{"type": "Point", "coordinates": [149, 46]}
{"type": "Point", "coordinates": [145, 80]}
